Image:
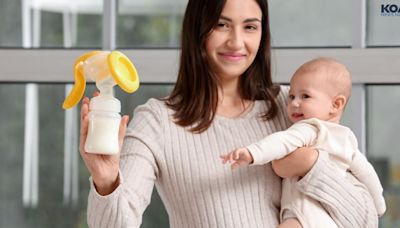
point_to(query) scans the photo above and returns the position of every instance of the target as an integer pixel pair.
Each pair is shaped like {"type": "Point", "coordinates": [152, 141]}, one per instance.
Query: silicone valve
{"type": "Point", "coordinates": [123, 72]}
{"type": "Point", "coordinates": [77, 91]}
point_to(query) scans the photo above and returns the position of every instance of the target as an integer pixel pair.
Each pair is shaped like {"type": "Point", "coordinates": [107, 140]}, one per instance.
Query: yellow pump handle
{"type": "Point", "coordinates": [77, 91]}
{"type": "Point", "coordinates": [122, 70]}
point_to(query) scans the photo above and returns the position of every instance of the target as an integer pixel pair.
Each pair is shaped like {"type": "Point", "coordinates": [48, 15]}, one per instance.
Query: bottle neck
{"type": "Point", "coordinates": [106, 87]}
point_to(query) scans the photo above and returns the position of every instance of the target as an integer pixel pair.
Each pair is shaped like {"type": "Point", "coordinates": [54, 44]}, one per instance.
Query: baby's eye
{"type": "Point", "coordinates": [291, 97]}
{"type": "Point", "coordinates": [305, 96]}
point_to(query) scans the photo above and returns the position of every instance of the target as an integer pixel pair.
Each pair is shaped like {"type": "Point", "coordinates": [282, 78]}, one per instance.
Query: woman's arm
{"type": "Point", "coordinates": [296, 164]}
{"type": "Point", "coordinates": [124, 206]}
{"type": "Point", "coordinates": [346, 200]}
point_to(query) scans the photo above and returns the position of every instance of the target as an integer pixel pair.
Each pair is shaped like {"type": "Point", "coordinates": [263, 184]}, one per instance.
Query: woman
{"type": "Point", "coordinates": [224, 98]}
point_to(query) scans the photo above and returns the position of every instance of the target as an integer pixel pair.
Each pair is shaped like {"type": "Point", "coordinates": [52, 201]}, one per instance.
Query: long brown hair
{"type": "Point", "coordinates": [195, 96]}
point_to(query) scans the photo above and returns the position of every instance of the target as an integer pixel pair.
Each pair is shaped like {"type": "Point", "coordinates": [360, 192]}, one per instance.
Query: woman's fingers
{"type": "Point", "coordinates": [122, 129]}
{"type": "Point", "coordinates": [84, 123]}
{"type": "Point", "coordinates": [83, 133]}
{"type": "Point", "coordinates": [84, 107]}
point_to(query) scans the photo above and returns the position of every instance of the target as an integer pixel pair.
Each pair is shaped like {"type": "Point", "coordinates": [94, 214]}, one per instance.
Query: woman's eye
{"type": "Point", "coordinates": [222, 25]}
{"type": "Point", "coordinates": [251, 27]}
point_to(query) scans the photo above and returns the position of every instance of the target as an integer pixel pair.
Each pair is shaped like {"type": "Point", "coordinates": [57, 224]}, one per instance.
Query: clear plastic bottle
{"type": "Point", "coordinates": [104, 117]}
{"type": "Point", "coordinates": [104, 121]}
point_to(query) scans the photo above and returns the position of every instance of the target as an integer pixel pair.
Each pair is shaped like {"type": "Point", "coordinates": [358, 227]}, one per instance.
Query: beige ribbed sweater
{"type": "Point", "coordinates": [198, 191]}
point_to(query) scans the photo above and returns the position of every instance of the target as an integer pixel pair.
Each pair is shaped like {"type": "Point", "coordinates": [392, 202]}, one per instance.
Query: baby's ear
{"type": "Point", "coordinates": [338, 103]}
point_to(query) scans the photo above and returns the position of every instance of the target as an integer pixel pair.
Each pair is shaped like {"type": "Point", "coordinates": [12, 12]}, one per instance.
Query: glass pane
{"type": "Point", "coordinates": [310, 23]}
{"type": "Point", "coordinates": [11, 163]}
{"type": "Point", "coordinates": [68, 23]}
{"type": "Point", "coordinates": [52, 210]}
{"type": "Point", "coordinates": [351, 113]}
{"type": "Point", "coordinates": [294, 23]}
{"type": "Point", "coordinates": [54, 24]}
{"type": "Point", "coordinates": [149, 23]}
{"type": "Point", "coordinates": [383, 23]}
{"type": "Point", "coordinates": [383, 107]}
{"type": "Point", "coordinates": [10, 23]}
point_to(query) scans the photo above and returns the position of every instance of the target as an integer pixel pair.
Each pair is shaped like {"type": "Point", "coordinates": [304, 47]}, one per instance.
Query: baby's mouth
{"type": "Point", "coordinates": [297, 115]}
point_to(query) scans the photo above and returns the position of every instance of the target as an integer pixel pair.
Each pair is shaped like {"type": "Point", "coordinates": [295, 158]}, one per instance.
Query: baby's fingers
{"type": "Point", "coordinates": [238, 163]}
{"type": "Point", "coordinates": [225, 158]}
{"type": "Point", "coordinates": [235, 165]}
{"type": "Point", "coordinates": [236, 154]}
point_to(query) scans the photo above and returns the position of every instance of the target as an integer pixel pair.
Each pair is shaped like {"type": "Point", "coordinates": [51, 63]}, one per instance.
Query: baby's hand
{"type": "Point", "coordinates": [239, 157]}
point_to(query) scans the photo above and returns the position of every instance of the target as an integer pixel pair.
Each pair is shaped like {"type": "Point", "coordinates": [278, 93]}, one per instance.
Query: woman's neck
{"type": "Point", "coordinates": [230, 102]}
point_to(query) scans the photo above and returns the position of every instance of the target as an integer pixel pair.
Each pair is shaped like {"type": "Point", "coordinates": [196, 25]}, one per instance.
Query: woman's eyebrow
{"type": "Point", "coordinates": [245, 21]}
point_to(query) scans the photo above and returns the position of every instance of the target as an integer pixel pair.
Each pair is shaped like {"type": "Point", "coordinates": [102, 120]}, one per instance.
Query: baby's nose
{"type": "Point", "coordinates": [295, 102]}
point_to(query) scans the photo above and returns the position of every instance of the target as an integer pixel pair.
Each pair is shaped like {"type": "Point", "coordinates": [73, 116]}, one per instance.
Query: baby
{"type": "Point", "coordinates": [319, 91]}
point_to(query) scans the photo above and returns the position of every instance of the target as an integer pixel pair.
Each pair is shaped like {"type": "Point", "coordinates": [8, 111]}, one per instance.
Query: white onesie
{"type": "Point", "coordinates": [341, 145]}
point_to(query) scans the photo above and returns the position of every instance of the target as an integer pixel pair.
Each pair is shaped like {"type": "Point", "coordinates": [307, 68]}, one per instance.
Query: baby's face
{"type": "Point", "coordinates": [309, 97]}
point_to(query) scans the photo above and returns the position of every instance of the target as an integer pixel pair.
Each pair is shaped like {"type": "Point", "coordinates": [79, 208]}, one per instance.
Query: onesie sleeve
{"type": "Point", "coordinates": [365, 173]}
{"type": "Point", "coordinates": [281, 143]}
{"type": "Point", "coordinates": [346, 200]}
{"type": "Point", "coordinates": [138, 171]}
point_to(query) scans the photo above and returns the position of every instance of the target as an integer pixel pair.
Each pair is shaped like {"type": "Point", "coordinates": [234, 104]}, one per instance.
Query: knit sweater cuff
{"type": "Point", "coordinates": [109, 197]}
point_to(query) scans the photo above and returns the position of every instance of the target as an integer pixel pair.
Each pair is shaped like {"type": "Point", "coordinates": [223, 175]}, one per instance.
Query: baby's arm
{"type": "Point", "coordinates": [365, 173]}
{"type": "Point", "coordinates": [274, 146]}
{"type": "Point", "coordinates": [280, 144]}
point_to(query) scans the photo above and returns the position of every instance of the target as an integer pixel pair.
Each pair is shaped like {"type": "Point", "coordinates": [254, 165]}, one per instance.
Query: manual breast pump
{"type": "Point", "coordinates": [107, 69]}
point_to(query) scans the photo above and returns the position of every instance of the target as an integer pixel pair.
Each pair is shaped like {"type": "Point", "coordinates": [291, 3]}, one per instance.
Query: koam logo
{"type": "Point", "coordinates": [390, 10]}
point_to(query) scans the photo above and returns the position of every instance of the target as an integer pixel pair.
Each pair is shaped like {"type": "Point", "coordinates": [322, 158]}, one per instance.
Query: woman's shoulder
{"type": "Point", "coordinates": [153, 107]}
{"type": "Point", "coordinates": [281, 98]}
{"type": "Point", "coordinates": [284, 91]}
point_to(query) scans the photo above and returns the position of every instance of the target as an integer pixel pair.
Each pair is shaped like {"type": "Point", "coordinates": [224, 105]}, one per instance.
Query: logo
{"type": "Point", "coordinates": [390, 10]}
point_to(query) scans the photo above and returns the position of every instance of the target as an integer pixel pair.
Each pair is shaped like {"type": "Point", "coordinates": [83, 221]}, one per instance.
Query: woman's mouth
{"type": "Point", "coordinates": [232, 57]}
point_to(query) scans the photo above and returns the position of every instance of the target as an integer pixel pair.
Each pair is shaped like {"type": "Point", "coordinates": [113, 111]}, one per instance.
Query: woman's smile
{"type": "Point", "coordinates": [232, 56]}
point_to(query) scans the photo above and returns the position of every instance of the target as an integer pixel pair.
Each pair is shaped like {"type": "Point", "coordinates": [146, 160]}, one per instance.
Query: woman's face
{"type": "Point", "coordinates": [233, 44]}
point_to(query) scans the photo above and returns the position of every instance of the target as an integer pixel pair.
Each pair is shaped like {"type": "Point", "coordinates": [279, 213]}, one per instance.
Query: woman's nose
{"type": "Point", "coordinates": [236, 40]}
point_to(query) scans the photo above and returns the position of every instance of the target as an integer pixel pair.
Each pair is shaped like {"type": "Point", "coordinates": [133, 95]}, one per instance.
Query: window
{"type": "Point", "coordinates": [383, 145]}
{"type": "Point", "coordinates": [383, 23]}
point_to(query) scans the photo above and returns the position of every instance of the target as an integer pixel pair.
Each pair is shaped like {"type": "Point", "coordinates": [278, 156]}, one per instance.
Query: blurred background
{"type": "Point", "coordinates": [43, 181]}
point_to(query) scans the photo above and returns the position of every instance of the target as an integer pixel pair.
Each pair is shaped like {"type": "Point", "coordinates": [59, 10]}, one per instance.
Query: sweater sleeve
{"type": "Point", "coordinates": [345, 199]}
{"type": "Point", "coordinates": [281, 143]}
{"type": "Point", "coordinates": [138, 171]}
{"type": "Point", "coordinates": [365, 173]}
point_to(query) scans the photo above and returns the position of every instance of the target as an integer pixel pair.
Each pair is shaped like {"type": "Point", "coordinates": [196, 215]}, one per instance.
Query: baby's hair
{"type": "Point", "coordinates": [337, 74]}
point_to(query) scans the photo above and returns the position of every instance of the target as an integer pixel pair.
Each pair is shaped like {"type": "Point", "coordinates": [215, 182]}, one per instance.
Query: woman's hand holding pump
{"type": "Point", "coordinates": [102, 128]}
{"type": "Point", "coordinates": [103, 168]}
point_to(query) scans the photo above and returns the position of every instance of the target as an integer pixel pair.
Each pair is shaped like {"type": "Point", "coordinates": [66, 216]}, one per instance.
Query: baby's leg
{"type": "Point", "coordinates": [290, 223]}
